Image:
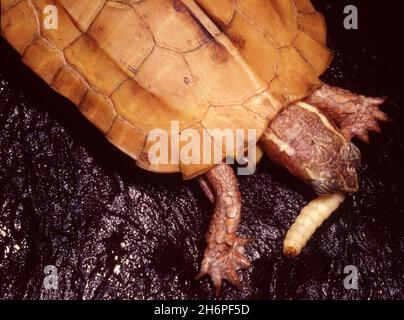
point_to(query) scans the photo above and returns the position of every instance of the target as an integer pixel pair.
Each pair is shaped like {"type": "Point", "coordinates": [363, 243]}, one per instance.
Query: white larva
{"type": "Point", "coordinates": [311, 217]}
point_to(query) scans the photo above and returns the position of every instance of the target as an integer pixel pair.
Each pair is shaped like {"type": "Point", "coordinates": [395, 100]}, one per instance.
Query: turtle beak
{"type": "Point", "coordinates": [343, 176]}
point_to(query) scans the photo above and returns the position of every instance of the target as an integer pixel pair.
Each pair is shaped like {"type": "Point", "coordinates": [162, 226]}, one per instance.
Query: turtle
{"type": "Point", "coordinates": [133, 66]}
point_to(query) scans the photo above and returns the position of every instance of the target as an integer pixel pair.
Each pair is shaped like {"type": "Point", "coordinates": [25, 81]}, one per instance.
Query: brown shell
{"type": "Point", "coordinates": [136, 65]}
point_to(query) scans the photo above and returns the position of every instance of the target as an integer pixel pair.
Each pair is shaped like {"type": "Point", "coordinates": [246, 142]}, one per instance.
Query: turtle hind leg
{"type": "Point", "coordinates": [224, 254]}
{"type": "Point", "coordinates": [355, 114]}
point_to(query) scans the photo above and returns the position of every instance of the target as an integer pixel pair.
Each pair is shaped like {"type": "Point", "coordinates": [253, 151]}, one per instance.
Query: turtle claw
{"type": "Point", "coordinates": [355, 114]}
{"type": "Point", "coordinates": [363, 118]}
{"type": "Point", "coordinates": [223, 261]}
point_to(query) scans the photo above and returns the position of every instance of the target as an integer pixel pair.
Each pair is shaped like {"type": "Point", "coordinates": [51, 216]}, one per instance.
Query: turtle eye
{"type": "Point", "coordinates": [356, 156]}
{"type": "Point", "coordinates": [351, 169]}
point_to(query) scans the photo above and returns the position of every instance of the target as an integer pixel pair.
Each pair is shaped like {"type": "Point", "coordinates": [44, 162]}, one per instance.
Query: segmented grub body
{"type": "Point", "coordinates": [311, 217]}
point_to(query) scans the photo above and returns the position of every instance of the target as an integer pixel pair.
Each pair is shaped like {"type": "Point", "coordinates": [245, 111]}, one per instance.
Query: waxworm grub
{"type": "Point", "coordinates": [310, 218]}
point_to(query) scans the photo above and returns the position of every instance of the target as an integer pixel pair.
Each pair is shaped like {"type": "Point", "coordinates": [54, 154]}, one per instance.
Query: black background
{"type": "Point", "coordinates": [68, 198]}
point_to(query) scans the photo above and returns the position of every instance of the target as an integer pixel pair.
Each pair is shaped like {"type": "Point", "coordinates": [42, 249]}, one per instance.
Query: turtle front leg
{"type": "Point", "coordinates": [355, 114]}
{"type": "Point", "coordinates": [224, 254]}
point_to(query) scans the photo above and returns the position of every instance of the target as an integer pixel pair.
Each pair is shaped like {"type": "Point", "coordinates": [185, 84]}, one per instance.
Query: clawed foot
{"type": "Point", "coordinates": [222, 261]}
{"type": "Point", "coordinates": [360, 116]}
{"type": "Point", "coordinates": [356, 115]}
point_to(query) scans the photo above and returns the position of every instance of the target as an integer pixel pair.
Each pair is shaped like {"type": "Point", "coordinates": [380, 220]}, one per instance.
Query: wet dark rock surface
{"type": "Point", "coordinates": [69, 199]}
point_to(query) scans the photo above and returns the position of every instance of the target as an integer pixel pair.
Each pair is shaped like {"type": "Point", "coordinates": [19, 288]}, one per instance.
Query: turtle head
{"type": "Point", "coordinates": [341, 174]}
{"type": "Point", "coordinates": [312, 148]}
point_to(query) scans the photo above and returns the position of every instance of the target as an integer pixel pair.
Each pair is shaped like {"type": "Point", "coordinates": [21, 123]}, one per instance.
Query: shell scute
{"type": "Point", "coordinates": [99, 109]}
{"type": "Point", "coordinates": [122, 35]}
{"type": "Point", "coordinates": [172, 25]}
{"type": "Point", "coordinates": [94, 64]}
{"type": "Point", "coordinates": [19, 25]}
{"type": "Point", "coordinates": [66, 31]}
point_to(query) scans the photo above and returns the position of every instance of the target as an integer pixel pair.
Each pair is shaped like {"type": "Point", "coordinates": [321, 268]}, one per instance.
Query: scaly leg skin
{"type": "Point", "coordinates": [355, 114]}
{"type": "Point", "coordinates": [224, 254]}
